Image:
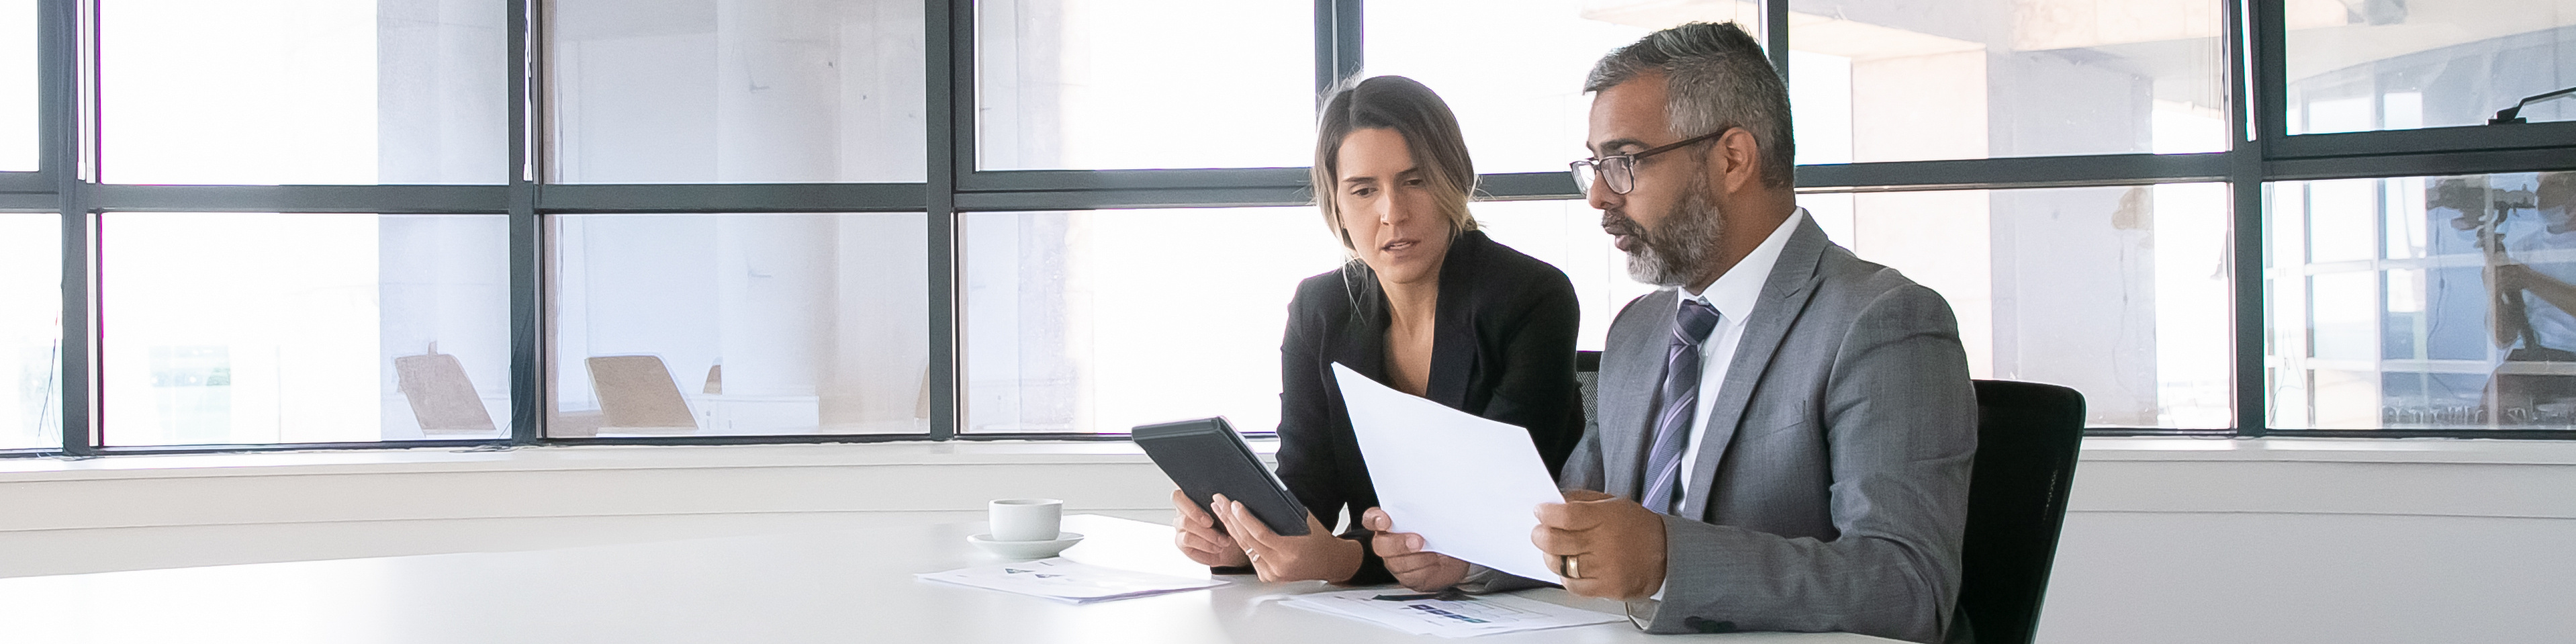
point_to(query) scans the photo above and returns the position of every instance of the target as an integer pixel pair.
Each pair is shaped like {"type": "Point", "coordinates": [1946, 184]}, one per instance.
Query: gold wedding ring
{"type": "Point", "coordinates": [1571, 565]}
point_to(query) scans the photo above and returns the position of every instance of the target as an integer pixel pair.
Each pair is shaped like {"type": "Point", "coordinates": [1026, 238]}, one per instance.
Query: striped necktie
{"type": "Point", "coordinates": [1680, 397]}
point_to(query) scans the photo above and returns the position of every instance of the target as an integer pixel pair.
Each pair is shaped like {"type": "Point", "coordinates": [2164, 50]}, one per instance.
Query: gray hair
{"type": "Point", "coordinates": [1715, 77]}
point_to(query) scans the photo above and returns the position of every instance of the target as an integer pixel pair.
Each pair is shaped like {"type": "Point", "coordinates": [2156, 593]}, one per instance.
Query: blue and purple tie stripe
{"type": "Point", "coordinates": [1680, 396]}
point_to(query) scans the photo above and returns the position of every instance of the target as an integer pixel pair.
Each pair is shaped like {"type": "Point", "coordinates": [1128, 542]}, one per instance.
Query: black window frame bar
{"type": "Point", "coordinates": [2261, 151]}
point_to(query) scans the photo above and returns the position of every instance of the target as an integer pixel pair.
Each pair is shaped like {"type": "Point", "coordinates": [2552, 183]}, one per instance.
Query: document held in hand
{"type": "Point", "coordinates": [1470, 486]}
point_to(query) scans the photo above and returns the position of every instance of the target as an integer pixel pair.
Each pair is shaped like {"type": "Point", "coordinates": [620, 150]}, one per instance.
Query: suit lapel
{"type": "Point", "coordinates": [1632, 365]}
{"type": "Point", "coordinates": [1453, 335]}
{"type": "Point", "coordinates": [1784, 296]}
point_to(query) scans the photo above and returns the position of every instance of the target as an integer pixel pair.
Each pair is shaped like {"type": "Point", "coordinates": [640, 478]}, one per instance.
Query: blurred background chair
{"type": "Point", "coordinates": [638, 396]}
{"type": "Point", "coordinates": [442, 397]}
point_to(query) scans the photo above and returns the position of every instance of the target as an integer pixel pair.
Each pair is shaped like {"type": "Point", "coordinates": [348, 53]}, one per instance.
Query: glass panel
{"type": "Point", "coordinates": [304, 91]}
{"type": "Point", "coordinates": [2119, 292]}
{"type": "Point", "coordinates": [232, 328]}
{"type": "Point", "coordinates": [2400, 65]}
{"type": "Point", "coordinates": [1568, 235]}
{"type": "Point", "coordinates": [2423, 302]}
{"type": "Point", "coordinates": [736, 91]}
{"type": "Point", "coordinates": [1519, 99]}
{"type": "Point", "coordinates": [1902, 80]}
{"type": "Point", "coordinates": [1101, 321]}
{"type": "Point", "coordinates": [31, 312]}
{"type": "Point", "coordinates": [1101, 84]}
{"type": "Point", "coordinates": [18, 101]}
{"type": "Point", "coordinates": [731, 324]}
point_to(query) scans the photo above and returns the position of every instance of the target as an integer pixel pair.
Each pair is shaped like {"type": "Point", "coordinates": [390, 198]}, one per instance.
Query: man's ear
{"type": "Point", "coordinates": [1737, 155]}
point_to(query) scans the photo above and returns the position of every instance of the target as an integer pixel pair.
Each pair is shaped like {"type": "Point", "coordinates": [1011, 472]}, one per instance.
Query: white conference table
{"type": "Point", "coordinates": [844, 586]}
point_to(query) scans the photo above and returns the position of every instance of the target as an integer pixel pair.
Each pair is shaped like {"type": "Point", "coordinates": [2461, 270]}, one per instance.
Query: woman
{"type": "Point", "coordinates": [1427, 305]}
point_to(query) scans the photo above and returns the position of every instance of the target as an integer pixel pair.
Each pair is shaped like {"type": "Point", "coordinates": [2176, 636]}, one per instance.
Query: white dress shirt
{"type": "Point", "coordinates": [1734, 295]}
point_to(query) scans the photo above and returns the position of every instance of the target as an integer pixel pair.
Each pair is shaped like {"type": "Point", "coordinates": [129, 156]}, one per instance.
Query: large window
{"type": "Point", "coordinates": [1074, 325]}
{"type": "Point", "coordinates": [294, 92]}
{"type": "Point", "coordinates": [2424, 302]}
{"type": "Point", "coordinates": [2385, 65]}
{"type": "Point", "coordinates": [730, 324]}
{"type": "Point", "coordinates": [30, 330]}
{"type": "Point", "coordinates": [1513, 69]}
{"type": "Point", "coordinates": [18, 85]}
{"type": "Point", "coordinates": [1905, 80]}
{"type": "Point", "coordinates": [302, 328]}
{"type": "Point", "coordinates": [1100, 84]}
{"type": "Point", "coordinates": [758, 91]}
{"type": "Point", "coordinates": [440, 223]}
{"type": "Point", "coordinates": [2119, 292]}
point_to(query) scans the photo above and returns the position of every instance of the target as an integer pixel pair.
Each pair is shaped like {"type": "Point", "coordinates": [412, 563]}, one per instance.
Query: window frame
{"type": "Point", "coordinates": [2260, 151]}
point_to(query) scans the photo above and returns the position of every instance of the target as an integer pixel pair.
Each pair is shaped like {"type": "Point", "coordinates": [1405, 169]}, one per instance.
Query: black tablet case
{"type": "Point", "coordinates": [1206, 457]}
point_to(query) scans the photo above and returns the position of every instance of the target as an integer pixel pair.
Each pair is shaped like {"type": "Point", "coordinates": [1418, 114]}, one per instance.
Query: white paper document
{"type": "Point", "coordinates": [1064, 580]}
{"type": "Point", "coordinates": [1470, 486]}
{"type": "Point", "coordinates": [1451, 616]}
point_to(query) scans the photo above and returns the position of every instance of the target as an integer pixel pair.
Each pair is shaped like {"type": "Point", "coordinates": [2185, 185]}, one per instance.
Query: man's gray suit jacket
{"type": "Point", "coordinates": [1831, 488]}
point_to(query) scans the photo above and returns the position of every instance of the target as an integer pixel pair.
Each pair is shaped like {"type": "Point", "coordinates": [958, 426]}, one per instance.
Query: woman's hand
{"type": "Point", "coordinates": [1317, 555]}
{"type": "Point", "coordinates": [1199, 538]}
{"type": "Point", "coordinates": [1416, 569]}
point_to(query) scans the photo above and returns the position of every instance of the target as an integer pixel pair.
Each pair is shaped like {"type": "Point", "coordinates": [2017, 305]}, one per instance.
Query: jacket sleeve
{"type": "Point", "coordinates": [1900, 417]}
{"type": "Point", "coordinates": [1536, 390]}
{"type": "Point", "coordinates": [1306, 410]}
{"type": "Point", "coordinates": [1308, 462]}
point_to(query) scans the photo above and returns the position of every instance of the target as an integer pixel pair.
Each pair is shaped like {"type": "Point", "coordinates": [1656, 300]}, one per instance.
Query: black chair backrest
{"type": "Point", "coordinates": [2027, 438]}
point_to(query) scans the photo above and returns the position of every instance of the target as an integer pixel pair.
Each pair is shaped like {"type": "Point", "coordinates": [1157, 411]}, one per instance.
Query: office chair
{"type": "Point", "coordinates": [638, 396]}
{"type": "Point", "coordinates": [442, 398]}
{"type": "Point", "coordinates": [2027, 437]}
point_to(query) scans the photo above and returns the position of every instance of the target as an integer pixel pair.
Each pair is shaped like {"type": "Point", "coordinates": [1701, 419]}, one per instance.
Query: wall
{"type": "Point", "coordinates": [2317, 541]}
{"type": "Point", "coordinates": [2169, 540]}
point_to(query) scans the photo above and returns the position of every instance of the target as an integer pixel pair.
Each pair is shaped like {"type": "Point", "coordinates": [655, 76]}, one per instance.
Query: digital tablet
{"type": "Point", "coordinates": [1206, 458]}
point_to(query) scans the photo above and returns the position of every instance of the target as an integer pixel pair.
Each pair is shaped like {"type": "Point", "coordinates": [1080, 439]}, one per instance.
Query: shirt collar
{"type": "Point", "coordinates": [1735, 292]}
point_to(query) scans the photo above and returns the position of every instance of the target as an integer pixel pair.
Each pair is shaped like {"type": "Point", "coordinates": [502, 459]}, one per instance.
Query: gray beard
{"type": "Point", "coordinates": [1676, 254]}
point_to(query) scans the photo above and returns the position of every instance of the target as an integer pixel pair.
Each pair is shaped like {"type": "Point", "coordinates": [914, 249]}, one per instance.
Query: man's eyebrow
{"type": "Point", "coordinates": [1606, 146]}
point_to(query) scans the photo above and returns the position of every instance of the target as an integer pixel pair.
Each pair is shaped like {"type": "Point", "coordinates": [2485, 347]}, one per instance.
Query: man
{"type": "Point", "coordinates": [2540, 262]}
{"type": "Point", "coordinates": [1785, 435]}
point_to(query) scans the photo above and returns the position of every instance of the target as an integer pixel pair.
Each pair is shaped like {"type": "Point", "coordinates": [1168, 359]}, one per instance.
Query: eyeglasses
{"type": "Point", "coordinates": [1620, 170]}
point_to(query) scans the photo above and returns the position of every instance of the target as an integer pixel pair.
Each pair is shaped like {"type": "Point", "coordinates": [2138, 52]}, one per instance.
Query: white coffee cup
{"type": "Point", "coordinates": [1027, 519]}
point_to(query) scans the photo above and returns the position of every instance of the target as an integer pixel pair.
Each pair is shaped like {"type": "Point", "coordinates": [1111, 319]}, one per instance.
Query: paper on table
{"type": "Point", "coordinates": [1470, 486]}
{"type": "Point", "coordinates": [1064, 580]}
{"type": "Point", "coordinates": [1459, 616]}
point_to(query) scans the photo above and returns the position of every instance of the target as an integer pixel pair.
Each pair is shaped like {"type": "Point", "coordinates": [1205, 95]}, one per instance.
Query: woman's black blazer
{"type": "Point", "coordinates": [1502, 348]}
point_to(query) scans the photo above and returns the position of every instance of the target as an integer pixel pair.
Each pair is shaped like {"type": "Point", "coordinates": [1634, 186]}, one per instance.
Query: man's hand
{"type": "Point", "coordinates": [1195, 531]}
{"type": "Point", "coordinates": [1418, 570]}
{"type": "Point", "coordinates": [1619, 544]}
{"type": "Point", "coordinates": [1317, 555]}
{"type": "Point", "coordinates": [2514, 277]}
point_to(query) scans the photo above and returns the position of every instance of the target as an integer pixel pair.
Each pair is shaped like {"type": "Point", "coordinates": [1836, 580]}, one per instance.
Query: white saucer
{"type": "Point", "coordinates": [1026, 549]}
